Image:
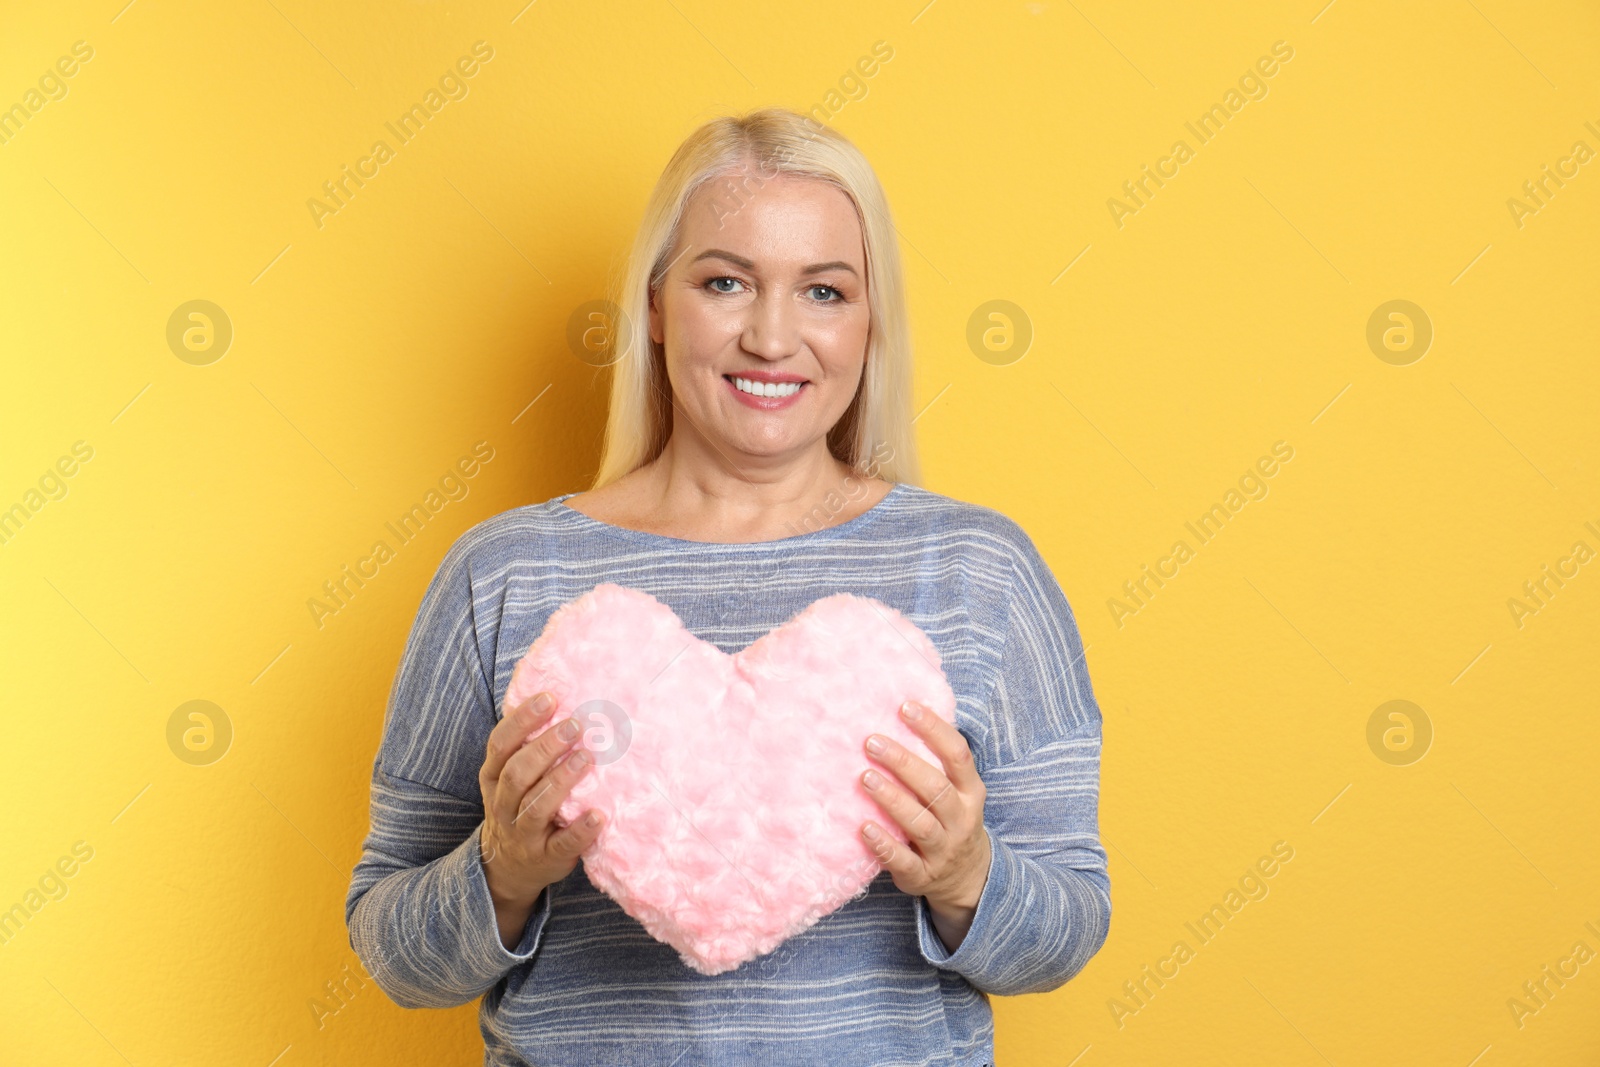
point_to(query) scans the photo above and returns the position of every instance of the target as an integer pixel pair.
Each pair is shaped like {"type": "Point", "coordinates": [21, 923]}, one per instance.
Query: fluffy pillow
{"type": "Point", "coordinates": [731, 784]}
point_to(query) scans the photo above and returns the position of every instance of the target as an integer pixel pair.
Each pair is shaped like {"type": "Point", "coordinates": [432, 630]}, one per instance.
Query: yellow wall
{"type": "Point", "coordinates": [374, 346]}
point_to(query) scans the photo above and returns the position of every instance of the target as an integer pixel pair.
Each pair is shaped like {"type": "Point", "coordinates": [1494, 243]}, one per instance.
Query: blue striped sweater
{"type": "Point", "coordinates": [870, 983]}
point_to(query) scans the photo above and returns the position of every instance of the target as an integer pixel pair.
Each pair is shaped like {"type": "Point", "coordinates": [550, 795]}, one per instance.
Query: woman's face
{"type": "Point", "coordinates": [768, 292]}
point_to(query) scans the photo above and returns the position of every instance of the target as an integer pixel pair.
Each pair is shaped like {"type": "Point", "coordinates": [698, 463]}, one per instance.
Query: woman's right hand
{"type": "Point", "coordinates": [522, 849]}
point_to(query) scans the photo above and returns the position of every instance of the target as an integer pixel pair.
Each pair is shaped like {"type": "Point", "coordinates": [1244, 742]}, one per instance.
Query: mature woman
{"type": "Point", "coordinates": [758, 456]}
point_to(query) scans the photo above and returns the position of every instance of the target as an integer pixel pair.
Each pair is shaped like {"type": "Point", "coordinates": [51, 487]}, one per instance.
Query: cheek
{"type": "Point", "coordinates": [842, 345]}
{"type": "Point", "coordinates": [701, 328]}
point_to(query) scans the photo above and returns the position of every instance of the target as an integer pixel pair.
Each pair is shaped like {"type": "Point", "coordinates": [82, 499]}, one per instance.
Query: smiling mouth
{"type": "Point", "coordinates": [765, 389]}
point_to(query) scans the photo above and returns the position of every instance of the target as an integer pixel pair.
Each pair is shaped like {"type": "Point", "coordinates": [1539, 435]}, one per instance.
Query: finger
{"type": "Point", "coordinates": [541, 801]}
{"type": "Point", "coordinates": [903, 862]}
{"type": "Point", "coordinates": [529, 764]}
{"type": "Point", "coordinates": [572, 840]}
{"type": "Point", "coordinates": [932, 788]}
{"type": "Point", "coordinates": [511, 731]}
{"type": "Point", "coordinates": [921, 824]}
{"type": "Point", "coordinates": [946, 742]}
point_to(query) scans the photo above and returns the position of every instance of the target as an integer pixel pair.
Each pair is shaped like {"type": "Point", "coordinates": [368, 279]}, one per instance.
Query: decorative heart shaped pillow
{"type": "Point", "coordinates": [731, 785]}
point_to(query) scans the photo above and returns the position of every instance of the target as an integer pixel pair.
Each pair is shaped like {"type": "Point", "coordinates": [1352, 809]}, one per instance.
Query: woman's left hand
{"type": "Point", "coordinates": [941, 813]}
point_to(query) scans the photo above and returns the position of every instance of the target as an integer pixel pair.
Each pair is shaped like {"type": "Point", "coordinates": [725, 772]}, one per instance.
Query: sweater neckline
{"type": "Point", "coordinates": [578, 519]}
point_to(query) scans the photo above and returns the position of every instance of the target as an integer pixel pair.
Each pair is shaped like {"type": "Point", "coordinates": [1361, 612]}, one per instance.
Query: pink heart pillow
{"type": "Point", "coordinates": [731, 784]}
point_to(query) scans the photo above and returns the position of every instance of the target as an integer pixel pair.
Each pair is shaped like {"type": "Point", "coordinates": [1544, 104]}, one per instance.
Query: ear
{"type": "Point", "coordinates": [657, 332]}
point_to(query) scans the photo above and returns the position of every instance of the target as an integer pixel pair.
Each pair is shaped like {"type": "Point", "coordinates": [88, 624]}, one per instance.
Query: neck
{"type": "Point", "coordinates": [707, 476]}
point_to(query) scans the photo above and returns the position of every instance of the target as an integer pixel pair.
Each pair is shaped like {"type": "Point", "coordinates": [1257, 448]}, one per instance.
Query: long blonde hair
{"type": "Point", "coordinates": [874, 436]}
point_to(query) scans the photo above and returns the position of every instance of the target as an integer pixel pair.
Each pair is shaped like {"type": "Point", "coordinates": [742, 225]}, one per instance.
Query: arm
{"type": "Point", "coordinates": [1045, 909]}
{"type": "Point", "coordinates": [419, 911]}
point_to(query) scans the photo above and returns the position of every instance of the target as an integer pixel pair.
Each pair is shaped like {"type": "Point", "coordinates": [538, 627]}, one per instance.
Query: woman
{"type": "Point", "coordinates": [758, 456]}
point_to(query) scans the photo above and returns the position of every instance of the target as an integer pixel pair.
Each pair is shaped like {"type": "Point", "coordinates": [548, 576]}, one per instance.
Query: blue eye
{"type": "Point", "coordinates": [714, 281]}
{"type": "Point", "coordinates": [828, 289]}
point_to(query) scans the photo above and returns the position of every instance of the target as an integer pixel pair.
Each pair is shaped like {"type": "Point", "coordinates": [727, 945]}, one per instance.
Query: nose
{"type": "Point", "coordinates": [771, 327]}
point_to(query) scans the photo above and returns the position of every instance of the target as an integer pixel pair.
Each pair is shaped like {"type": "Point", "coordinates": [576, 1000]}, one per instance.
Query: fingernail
{"type": "Point", "coordinates": [567, 730]}
{"type": "Point", "coordinates": [872, 779]}
{"type": "Point", "coordinates": [541, 703]}
{"type": "Point", "coordinates": [871, 832]}
{"type": "Point", "coordinates": [581, 758]}
{"type": "Point", "coordinates": [875, 745]}
{"type": "Point", "coordinates": [911, 711]}
{"type": "Point", "coordinates": [592, 819]}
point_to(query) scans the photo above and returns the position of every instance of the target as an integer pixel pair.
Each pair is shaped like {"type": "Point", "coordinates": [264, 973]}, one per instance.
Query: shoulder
{"type": "Point", "coordinates": [966, 527]}
{"type": "Point", "coordinates": [1037, 687]}
{"type": "Point", "coordinates": [997, 554]}
{"type": "Point", "coordinates": [527, 533]}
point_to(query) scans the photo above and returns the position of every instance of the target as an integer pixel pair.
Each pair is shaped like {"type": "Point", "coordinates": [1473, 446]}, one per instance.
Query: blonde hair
{"type": "Point", "coordinates": [874, 436]}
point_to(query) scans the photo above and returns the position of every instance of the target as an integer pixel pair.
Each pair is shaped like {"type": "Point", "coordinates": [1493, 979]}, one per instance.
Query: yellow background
{"type": "Point", "coordinates": [1229, 313]}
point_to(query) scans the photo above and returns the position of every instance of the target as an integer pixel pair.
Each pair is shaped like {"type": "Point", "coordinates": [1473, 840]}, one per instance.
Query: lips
{"type": "Point", "coordinates": [765, 376]}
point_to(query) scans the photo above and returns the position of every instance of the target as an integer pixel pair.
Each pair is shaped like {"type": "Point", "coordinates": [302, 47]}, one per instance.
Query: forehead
{"type": "Point", "coordinates": [777, 221]}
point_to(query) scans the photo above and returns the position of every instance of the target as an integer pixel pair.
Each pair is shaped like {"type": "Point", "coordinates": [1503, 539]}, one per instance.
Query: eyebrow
{"type": "Point", "coordinates": [740, 261]}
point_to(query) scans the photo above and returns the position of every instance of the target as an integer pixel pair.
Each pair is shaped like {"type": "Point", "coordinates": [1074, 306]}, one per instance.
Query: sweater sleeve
{"type": "Point", "coordinates": [418, 909]}
{"type": "Point", "coordinates": [419, 912]}
{"type": "Point", "coordinates": [1046, 908]}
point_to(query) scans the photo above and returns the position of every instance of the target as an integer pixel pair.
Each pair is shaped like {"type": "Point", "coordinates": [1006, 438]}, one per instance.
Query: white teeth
{"type": "Point", "coordinates": [745, 385]}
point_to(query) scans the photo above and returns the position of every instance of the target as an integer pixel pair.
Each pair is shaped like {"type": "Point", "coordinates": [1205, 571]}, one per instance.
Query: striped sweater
{"type": "Point", "coordinates": [870, 983]}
